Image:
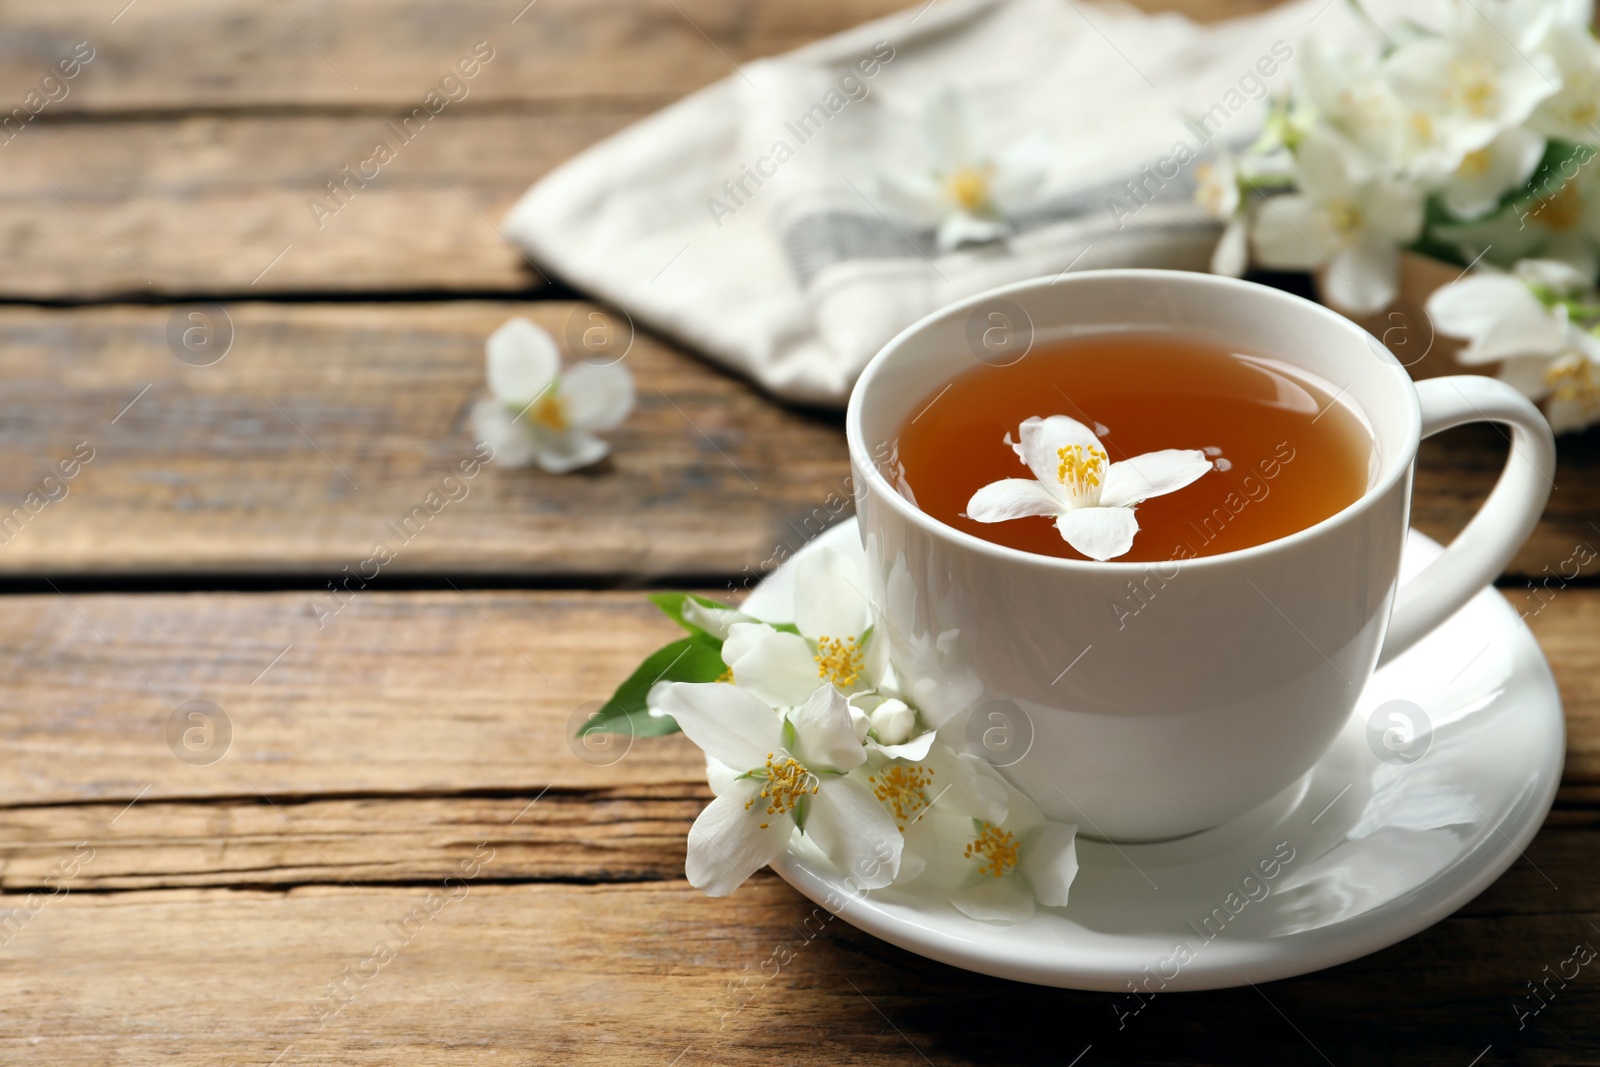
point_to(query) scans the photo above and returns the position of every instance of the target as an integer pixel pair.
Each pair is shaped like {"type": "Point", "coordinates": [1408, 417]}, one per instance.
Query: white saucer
{"type": "Point", "coordinates": [1381, 848]}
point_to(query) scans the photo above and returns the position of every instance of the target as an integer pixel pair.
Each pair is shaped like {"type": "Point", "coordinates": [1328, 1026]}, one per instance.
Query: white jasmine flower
{"type": "Point", "coordinates": [538, 414]}
{"type": "Point", "coordinates": [966, 193]}
{"type": "Point", "coordinates": [1561, 222]}
{"type": "Point", "coordinates": [1463, 89]}
{"type": "Point", "coordinates": [1074, 481]}
{"type": "Point", "coordinates": [788, 773]}
{"type": "Point", "coordinates": [933, 797]}
{"type": "Point", "coordinates": [1522, 321]}
{"type": "Point", "coordinates": [1572, 113]}
{"type": "Point", "coordinates": [1487, 174]}
{"type": "Point", "coordinates": [1348, 215]}
{"type": "Point", "coordinates": [1351, 94]}
{"type": "Point", "coordinates": [832, 616]}
{"type": "Point", "coordinates": [972, 836]}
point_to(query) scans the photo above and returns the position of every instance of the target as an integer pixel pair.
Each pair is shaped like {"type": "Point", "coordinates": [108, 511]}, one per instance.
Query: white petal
{"type": "Point", "coordinates": [1330, 166]}
{"type": "Point", "coordinates": [727, 844]}
{"type": "Point", "coordinates": [1152, 474]}
{"type": "Point", "coordinates": [1526, 374]}
{"type": "Point", "coordinates": [915, 749]}
{"type": "Point", "coordinates": [950, 125]}
{"type": "Point", "coordinates": [597, 398]}
{"type": "Point", "coordinates": [1282, 233]}
{"type": "Point", "coordinates": [1472, 192]}
{"type": "Point", "coordinates": [510, 438]}
{"type": "Point", "coordinates": [860, 722]}
{"type": "Point", "coordinates": [824, 736]}
{"type": "Point", "coordinates": [1469, 307]}
{"type": "Point", "coordinates": [728, 724]}
{"type": "Point", "coordinates": [1012, 498]}
{"type": "Point", "coordinates": [523, 360]}
{"type": "Point", "coordinates": [564, 451]}
{"type": "Point", "coordinates": [1394, 210]}
{"type": "Point", "coordinates": [1553, 274]}
{"type": "Point", "coordinates": [1042, 440]}
{"type": "Point", "coordinates": [1528, 331]}
{"type": "Point", "coordinates": [721, 777]}
{"type": "Point", "coordinates": [1567, 416]}
{"type": "Point", "coordinates": [1021, 169]}
{"type": "Point", "coordinates": [847, 822]}
{"type": "Point", "coordinates": [1050, 862]}
{"type": "Point", "coordinates": [1099, 533]}
{"type": "Point", "coordinates": [775, 666]}
{"type": "Point", "coordinates": [1022, 814]}
{"type": "Point", "coordinates": [714, 621]}
{"type": "Point", "coordinates": [959, 228]}
{"type": "Point", "coordinates": [828, 596]}
{"type": "Point", "coordinates": [917, 196]}
{"type": "Point", "coordinates": [995, 900]}
{"type": "Point", "coordinates": [1232, 254]}
{"type": "Point", "coordinates": [1365, 276]}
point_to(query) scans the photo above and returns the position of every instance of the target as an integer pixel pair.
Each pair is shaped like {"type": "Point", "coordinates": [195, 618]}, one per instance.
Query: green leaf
{"type": "Point", "coordinates": [696, 658]}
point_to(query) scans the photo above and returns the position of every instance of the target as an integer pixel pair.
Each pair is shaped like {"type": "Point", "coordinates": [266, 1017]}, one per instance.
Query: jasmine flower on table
{"type": "Point", "coordinates": [538, 413]}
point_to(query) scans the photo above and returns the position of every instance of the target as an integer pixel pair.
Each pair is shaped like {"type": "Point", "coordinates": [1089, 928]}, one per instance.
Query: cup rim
{"type": "Point", "coordinates": [1395, 467]}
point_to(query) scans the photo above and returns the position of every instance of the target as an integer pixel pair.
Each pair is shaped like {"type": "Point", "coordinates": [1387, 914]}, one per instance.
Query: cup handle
{"type": "Point", "coordinates": [1481, 551]}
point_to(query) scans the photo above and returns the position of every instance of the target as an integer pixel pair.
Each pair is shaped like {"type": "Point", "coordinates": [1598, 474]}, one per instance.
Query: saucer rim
{"type": "Point", "coordinates": [1284, 957]}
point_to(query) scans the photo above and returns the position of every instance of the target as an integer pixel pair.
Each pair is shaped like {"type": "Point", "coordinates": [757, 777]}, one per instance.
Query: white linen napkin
{"type": "Point", "coordinates": [794, 268]}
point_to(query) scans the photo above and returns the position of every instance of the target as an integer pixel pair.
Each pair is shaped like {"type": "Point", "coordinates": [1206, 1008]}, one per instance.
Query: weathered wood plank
{"type": "Point", "coordinates": [656, 974]}
{"type": "Point", "coordinates": [415, 693]}
{"type": "Point", "coordinates": [634, 833]}
{"type": "Point", "coordinates": [395, 694]}
{"type": "Point", "coordinates": [182, 54]}
{"type": "Point", "coordinates": [206, 205]}
{"type": "Point", "coordinates": [325, 426]}
{"type": "Point", "coordinates": [236, 467]}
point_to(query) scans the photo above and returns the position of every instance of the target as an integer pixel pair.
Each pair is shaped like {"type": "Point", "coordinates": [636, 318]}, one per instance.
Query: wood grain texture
{"type": "Point", "coordinates": [324, 427]}
{"type": "Point", "coordinates": [416, 693]}
{"type": "Point", "coordinates": [655, 974]}
{"type": "Point", "coordinates": [187, 54]}
{"type": "Point", "coordinates": [203, 205]}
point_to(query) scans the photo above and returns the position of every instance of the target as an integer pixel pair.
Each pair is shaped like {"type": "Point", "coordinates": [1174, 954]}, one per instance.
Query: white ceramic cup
{"type": "Point", "coordinates": [1241, 667]}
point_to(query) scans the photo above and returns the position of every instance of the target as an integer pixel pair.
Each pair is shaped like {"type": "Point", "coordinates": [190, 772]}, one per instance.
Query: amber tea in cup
{"type": "Point", "coordinates": [1285, 452]}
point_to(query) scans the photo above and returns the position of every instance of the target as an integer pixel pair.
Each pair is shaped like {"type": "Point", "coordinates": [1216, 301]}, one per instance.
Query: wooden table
{"type": "Point", "coordinates": [398, 770]}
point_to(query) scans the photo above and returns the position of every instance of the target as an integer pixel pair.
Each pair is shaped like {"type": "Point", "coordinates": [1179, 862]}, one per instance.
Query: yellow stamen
{"type": "Point", "coordinates": [1345, 217]}
{"type": "Point", "coordinates": [1422, 126]}
{"type": "Point", "coordinates": [969, 187]}
{"type": "Point", "coordinates": [1080, 469]}
{"type": "Point", "coordinates": [1473, 87]}
{"type": "Point", "coordinates": [1574, 378]}
{"type": "Point", "coordinates": [548, 411]}
{"type": "Point", "coordinates": [727, 676]}
{"type": "Point", "coordinates": [1476, 164]}
{"type": "Point", "coordinates": [905, 790]}
{"type": "Point", "coordinates": [838, 661]}
{"type": "Point", "coordinates": [786, 783]}
{"type": "Point", "coordinates": [997, 846]}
